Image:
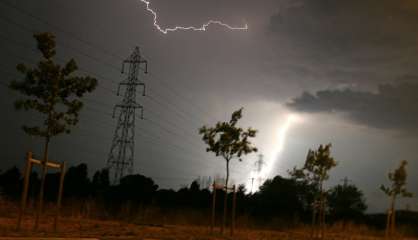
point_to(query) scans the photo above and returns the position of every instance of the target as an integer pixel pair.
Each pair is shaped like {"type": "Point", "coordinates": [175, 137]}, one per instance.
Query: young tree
{"type": "Point", "coordinates": [315, 172]}
{"type": "Point", "coordinates": [398, 188]}
{"type": "Point", "coordinates": [53, 91]}
{"type": "Point", "coordinates": [228, 140]}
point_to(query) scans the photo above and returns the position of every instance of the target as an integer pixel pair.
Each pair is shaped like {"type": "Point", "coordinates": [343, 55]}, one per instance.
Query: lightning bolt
{"type": "Point", "coordinates": [281, 139]}
{"type": "Point", "coordinates": [176, 28]}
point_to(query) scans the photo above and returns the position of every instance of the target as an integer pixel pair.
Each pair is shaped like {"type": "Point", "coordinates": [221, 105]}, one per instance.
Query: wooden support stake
{"type": "Point", "coordinates": [60, 191]}
{"type": "Point", "coordinates": [225, 210]}
{"type": "Point", "coordinates": [388, 223]}
{"type": "Point", "coordinates": [41, 194]}
{"type": "Point", "coordinates": [234, 205]}
{"type": "Point", "coordinates": [212, 225]}
{"type": "Point", "coordinates": [28, 170]}
{"type": "Point", "coordinates": [393, 226]}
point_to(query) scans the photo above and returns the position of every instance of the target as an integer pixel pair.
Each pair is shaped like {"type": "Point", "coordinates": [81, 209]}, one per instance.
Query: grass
{"type": "Point", "coordinates": [76, 225]}
{"type": "Point", "coordinates": [84, 228]}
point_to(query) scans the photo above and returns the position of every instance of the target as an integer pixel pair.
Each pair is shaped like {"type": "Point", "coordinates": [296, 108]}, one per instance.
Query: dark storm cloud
{"type": "Point", "coordinates": [360, 44]}
{"type": "Point", "coordinates": [350, 25]}
{"type": "Point", "coordinates": [392, 107]}
{"type": "Point", "coordinates": [361, 41]}
{"type": "Point", "coordinates": [197, 78]}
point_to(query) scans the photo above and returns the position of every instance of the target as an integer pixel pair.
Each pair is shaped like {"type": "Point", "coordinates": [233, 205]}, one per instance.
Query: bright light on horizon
{"type": "Point", "coordinates": [281, 135]}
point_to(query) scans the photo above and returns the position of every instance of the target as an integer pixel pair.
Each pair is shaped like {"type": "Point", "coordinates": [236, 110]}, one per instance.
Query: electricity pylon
{"type": "Point", "coordinates": [259, 163]}
{"type": "Point", "coordinates": [258, 168]}
{"type": "Point", "coordinates": [121, 156]}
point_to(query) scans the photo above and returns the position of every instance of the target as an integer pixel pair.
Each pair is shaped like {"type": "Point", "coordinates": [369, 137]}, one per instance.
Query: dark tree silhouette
{"type": "Point", "coordinates": [315, 172]}
{"type": "Point", "coordinates": [10, 182]}
{"type": "Point", "coordinates": [51, 90]}
{"type": "Point", "coordinates": [195, 186]}
{"type": "Point", "coordinates": [77, 182]}
{"type": "Point", "coordinates": [137, 187]}
{"type": "Point", "coordinates": [100, 182]}
{"type": "Point", "coordinates": [54, 92]}
{"type": "Point", "coordinates": [228, 140]}
{"type": "Point", "coordinates": [281, 197]}
{"type": "Point", "coordinates": [397, 188]}
{"type": "Point", "coordinates": [346, 202]}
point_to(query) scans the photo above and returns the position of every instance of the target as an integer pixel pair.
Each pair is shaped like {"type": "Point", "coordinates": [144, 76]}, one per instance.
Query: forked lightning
{"type": "Point", "coordinates": [176, 28]}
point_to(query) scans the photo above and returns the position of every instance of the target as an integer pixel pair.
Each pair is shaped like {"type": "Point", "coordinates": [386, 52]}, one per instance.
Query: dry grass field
{"type": "Point", "coordinates": [83, 227]}
{"type": "Point", "coordinates": [87, 228]}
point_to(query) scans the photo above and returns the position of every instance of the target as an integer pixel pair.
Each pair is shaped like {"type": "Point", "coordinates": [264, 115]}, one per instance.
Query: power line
{"type": "Point", "coordinates": [146, 140]}
{"type": "Point", "coordinates": [168, 87]}
{"type": "Point", "coordinates": [152, 122]}
{"type": "Point", "coordinates": [93, 74]}
{"type": "Point", "coordinates": [150, 134]}
{"type": "Point", "coordinates": [74, 36]}
{"type": "Point", "coordinates": [88, 150]}
{"type": "Point", "coordinates": [70, 34]}
{"type": "Point", "coordinates": [60, 59]}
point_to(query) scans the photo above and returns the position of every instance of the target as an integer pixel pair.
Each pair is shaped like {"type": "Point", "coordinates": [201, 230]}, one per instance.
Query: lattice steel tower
{"type": "Point", "coordinates": [121, 156]}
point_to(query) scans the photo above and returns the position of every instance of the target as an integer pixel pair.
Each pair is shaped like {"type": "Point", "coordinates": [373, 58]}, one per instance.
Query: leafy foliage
{"type": "Point", "coordinates": [398, 179]}
{"type": "Point", "coordinates": [228, 140]}
{"type": "Point", "coordinates": [283, 197]}
{"type": "Point", "coordinates": [346, 202]}
{"type": "Point", "coordinates": [398, 187]}
{"type": "Point", "coordinates": [317, 166]}
{"type": "Point", "coordinates": [314, 172]}
{"type": "Point", "coordinates": [51, 90]}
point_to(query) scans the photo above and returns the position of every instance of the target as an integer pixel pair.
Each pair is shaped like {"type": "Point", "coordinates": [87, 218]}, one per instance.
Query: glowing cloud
{"type": "Point", "coordinates": [191, 28]}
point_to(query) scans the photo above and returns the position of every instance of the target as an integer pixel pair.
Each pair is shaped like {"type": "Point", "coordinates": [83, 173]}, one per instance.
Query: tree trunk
{"type": "Point", "coordinates": [390, 220]}
{"type": "Point", "coordinates": [392, 224]}
{"type": "Point", "coordinates": [313, 220]}
{"type": "Point", "coordinates": [213, 207]}
{"type": "Point", "coordinates": [42, 187]}
{"type": "Point", "coordinates": [226, 197]}
{"type": "Point", "coordinates": [322, 216]}
{"type": "Point", "coordinates": [389, 215]}
{"type": "Point", "coordinates": [321, 213]}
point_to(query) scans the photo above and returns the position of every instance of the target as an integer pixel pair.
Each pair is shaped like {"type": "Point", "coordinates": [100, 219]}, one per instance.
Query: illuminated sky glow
{"type": "Point", "coordinates": [260, 177]}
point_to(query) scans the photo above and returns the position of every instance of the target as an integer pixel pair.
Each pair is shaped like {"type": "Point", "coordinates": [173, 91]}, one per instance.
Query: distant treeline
{"type": "Point", "coordinates": [280, 199]}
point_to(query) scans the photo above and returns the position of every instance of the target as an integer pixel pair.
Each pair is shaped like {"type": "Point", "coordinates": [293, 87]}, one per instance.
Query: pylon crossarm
{"type": "Point", "coordinates": [136, 83]}
{"type": "Point", "coordinates": [130, 105]}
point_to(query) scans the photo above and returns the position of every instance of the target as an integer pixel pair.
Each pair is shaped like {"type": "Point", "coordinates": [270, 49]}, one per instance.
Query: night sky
{"type": "Point", "coordinates": [306, 72]}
